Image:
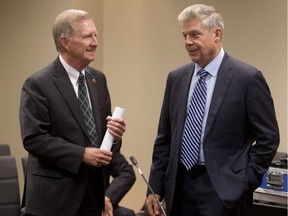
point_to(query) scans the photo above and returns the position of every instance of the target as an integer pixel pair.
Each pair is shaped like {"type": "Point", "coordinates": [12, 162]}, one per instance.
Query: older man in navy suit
{"type": "Point", "coordinates": [217, 138]}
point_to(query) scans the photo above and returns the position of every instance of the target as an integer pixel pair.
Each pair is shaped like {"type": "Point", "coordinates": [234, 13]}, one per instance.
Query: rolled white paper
{"type": "Point", "coordinates": [108, 138]}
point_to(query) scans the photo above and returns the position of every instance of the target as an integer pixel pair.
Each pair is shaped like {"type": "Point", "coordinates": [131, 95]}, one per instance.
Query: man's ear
{"type": "Point", "coordinates": [64, 42]}
{"type": "Point", "coordinates": [217, 34]}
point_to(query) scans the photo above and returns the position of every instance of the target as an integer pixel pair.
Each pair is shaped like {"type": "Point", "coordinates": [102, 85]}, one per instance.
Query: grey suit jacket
{"type": "Point", "coordinates": [241, 113]}
{"type": "Point", "coordinates": [53, 132]}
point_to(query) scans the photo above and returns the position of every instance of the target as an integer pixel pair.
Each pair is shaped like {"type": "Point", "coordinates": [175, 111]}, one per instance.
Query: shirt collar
{"type": "Point", "coordinates": [214, 65]}
{"type": "Point", "coordinates": [72, 72]}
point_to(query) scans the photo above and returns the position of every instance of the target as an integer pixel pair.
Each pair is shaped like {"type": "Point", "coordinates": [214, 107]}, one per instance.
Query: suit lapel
{"type": "Point", "coordinates": [183, 95]}
{"type": "Point", "coordinates": [222, 84]}
{"type": "Point", "coordinates": [64, 85]}
{"type": "Point", "coordinates": [94, 98]}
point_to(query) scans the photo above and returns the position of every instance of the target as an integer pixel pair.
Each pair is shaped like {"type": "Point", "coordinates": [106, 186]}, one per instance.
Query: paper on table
{"type": "Point", "coordinates": [108, 138]}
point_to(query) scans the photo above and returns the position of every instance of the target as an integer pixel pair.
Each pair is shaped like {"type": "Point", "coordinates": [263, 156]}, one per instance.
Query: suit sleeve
{"type": "Point", "coordinates": [264, 128]}
{"type": "Point", "coordinates": [123, 178]}
{"type": "Point", "coordinates": [162, 145]}
{"type": "Point", "coordinates": [35, 123]}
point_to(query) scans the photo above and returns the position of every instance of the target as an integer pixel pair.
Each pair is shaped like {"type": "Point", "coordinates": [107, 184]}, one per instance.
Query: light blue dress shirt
{"type": "Point", "coordinates": [212, 68]}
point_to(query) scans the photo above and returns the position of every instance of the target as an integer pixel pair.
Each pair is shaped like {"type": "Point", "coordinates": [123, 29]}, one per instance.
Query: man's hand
{"type": "Point", "coordinates": [116, 127]}
{"type": "Point", "coordinates": [108, 208]}
{"type": "Point", "coordinates": [152, 205]}
{"type": "Point", "coordinates": [96, 157]}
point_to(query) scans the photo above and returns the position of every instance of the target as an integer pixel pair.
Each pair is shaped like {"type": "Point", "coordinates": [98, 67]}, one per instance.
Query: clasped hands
{"type": "Point", "coordinates": [96, 157]}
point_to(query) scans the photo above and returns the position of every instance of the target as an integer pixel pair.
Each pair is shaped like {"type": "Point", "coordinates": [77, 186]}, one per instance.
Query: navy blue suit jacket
{"type": "Point", "coordinates": [241, 113]}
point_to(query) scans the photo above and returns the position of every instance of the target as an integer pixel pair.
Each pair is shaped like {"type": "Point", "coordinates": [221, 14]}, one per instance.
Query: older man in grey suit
{"type": "Point", "coordinates": [65, 111]}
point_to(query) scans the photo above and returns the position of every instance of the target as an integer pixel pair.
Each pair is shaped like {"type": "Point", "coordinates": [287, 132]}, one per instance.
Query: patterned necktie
{"type": "Point", "coordinates": [86, 110]}
{"type": "Point", "coordinates": [193, 125]}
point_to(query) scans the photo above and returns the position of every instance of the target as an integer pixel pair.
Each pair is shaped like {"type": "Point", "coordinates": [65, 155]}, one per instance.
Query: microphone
{"type": "Point", "coordinates": [135, 163]}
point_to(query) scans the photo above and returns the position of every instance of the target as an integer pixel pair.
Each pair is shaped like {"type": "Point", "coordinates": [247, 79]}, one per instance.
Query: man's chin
{"type": "Point", "coordinates": [193, 58]}
{"type": "Point", "coordinates": [90, 58]}
{"type": "Point", "coordinates": [90, 55]}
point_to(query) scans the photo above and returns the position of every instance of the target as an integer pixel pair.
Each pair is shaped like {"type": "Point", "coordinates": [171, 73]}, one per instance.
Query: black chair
{"type": "Point", "coordinates": [4, 150]}
{"type": "Point", "coordinates": [9, 187]}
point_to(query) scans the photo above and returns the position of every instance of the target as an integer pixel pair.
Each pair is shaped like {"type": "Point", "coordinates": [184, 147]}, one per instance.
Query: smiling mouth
{"type": "Point", "coordinates": [192, 52]}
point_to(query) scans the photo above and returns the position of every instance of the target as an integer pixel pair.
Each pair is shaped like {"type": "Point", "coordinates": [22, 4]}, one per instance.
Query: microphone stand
{"type": "Point", "coordinates": [135, 163]}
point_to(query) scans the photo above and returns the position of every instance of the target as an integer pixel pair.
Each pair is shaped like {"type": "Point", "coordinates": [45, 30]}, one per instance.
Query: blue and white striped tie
{"type": "Point", "coordinates": [193, 125]}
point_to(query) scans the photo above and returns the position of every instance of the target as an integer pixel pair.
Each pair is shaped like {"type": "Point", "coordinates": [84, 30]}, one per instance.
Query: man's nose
{"type": "Point", "coordinates": [189, 40]}
{"type": "Point", "coordinates": [94, 41]}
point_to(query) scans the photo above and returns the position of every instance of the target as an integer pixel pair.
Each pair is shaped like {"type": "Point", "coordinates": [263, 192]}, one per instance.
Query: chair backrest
{"type": "Point", "coordinates": [4, 150]}
{"type": "Point", "coordinates": [9, 187]}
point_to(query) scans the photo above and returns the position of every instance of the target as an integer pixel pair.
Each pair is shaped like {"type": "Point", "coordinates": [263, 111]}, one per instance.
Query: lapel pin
{"type": "Point", "coordinates": [94, 81]}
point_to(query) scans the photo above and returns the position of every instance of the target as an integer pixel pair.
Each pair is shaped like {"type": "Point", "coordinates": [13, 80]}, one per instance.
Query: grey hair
{"type": "Point", "coordinates": [207, 14]}
{"type": "Point", "coordinates": [63, 24]}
